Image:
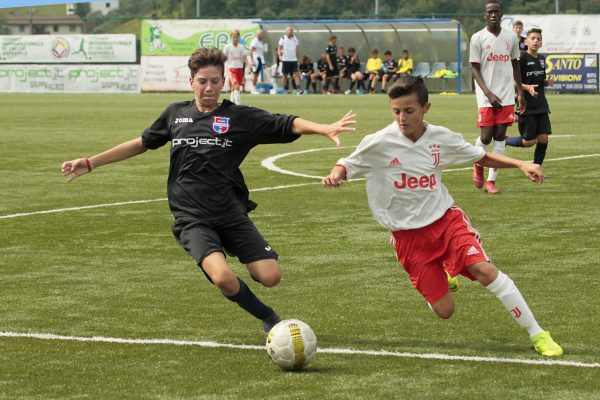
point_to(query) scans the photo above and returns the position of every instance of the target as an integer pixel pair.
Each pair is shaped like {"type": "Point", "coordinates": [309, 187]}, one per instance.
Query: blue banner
{"type": "Point", "coordinates": [573, 72]}
{"type": "Point", "coordinates": [26, 3]}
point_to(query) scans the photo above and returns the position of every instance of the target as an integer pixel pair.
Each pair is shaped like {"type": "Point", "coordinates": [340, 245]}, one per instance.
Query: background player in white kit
{"type": "Point", "coordinates": [494, 54]}
{"type": "Point", "coordinates": [403, 166]}
{"type": "Point", "coordinates": [236, 57]}
{"type": "Point", "coordinates": [257, 57]}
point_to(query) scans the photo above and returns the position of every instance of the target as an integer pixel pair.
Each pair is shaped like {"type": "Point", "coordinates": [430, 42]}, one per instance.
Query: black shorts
{"type": "Point", "coordinates": [236, 236]}
{"type": "Point", "coordinates": [289, 67]}
{"type": "Point", "coordinates": [530, 126]}
{"type": "Point", "coordinates": [331, 73]}
{"type": "Point", "coordinates": [257, 67]}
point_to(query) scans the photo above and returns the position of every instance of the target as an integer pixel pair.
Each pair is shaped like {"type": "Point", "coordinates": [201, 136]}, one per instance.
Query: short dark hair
{"type": "Point", "coordinates": [204, 57]}
{"type": "Point", "coordinates": [492, 2]}
{"type": "Point", "coordinates": [408, 85]}
{"type": "Point", "coordinates": [534, 30]}
{"type": "Point", "coordinates": [351, 49]}
{"type": "Point", "coordinates": [517, 23]}
{"type": "Point", "coordinates": [387, 52]}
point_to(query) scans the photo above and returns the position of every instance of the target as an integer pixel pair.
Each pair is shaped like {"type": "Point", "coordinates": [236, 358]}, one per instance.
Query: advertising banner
{"type": "Point", "coordinates": [67, 49]}
{"type": "Point", "coordinates": [573, 72]}
{"type": "Point", "coordinates": [182, 37]}
{"type": "Point", "coordinates": [165, 74]}
{"type": "Point", "coordinates": [31, 78]}
{"type": "Point", "coordinates": [562, 33]}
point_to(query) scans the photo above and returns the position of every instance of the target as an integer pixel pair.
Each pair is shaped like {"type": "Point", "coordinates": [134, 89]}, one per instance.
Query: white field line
{"type": "Point", "coordinates": [374, 353]}
{"type": "Point", "coordinates": [267, 163]}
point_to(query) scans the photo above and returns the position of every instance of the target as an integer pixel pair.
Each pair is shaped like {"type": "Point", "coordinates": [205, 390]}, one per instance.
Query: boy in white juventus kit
{"type": "Point", "coordinates": [206, 190]}
{"type": "Point", "coordinates": [494, 54]}
{"type": "Point", "coordinates": [403, 166]}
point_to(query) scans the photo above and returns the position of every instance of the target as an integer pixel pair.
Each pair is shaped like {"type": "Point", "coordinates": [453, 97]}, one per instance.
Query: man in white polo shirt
{"type": "Point", "coordinates": [289, 54]}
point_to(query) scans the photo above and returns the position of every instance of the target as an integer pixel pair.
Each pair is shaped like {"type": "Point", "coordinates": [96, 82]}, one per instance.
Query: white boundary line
{"type": "Point", "coordinates": [268, 163]}
{"type": "Point", "coordinates": [326, 350]}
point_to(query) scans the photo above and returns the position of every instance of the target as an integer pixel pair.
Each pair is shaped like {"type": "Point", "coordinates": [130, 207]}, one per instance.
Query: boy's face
{"type": "Point", "coordinates": [235, 38]}
{"type": "Point", "coordinates": [207, 84]}
{"type": "Point", "coordinates": [405, 55]}
{"type": "Point", "coordinates": [493, 15]}
{"type": "Point", "coordinates": [408, 114]}
{"type": "Point", "coordinates": [388, 57]}
{"type": "Point", "coordinates": [518, 29]}
{"type": "Point", "coordinates": [534, 41]}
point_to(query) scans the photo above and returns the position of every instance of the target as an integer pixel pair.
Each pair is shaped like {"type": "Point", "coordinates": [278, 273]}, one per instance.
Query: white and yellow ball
{"type": "Point", "coordinates": [291, 344]}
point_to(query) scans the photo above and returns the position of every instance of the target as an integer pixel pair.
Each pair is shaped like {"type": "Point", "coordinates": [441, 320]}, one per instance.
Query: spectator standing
{"type": "Point", "coordinates": [289, 53]}
{"type": "Point", "coordinates": [257, 57]}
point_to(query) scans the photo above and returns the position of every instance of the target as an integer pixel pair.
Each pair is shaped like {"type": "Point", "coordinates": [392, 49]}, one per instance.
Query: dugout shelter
{"type": "Point", "coordinates": [434, 44]}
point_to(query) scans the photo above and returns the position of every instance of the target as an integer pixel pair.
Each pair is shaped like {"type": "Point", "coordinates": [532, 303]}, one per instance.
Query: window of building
{"type": "Point", "coordinates": [72, 28]}
{"type": "Point", "coordinates": [55, 28]}
{"type": "Point", "coordinates": [107, 5]}
{"type": "Point", "coordinates": [21, 28]}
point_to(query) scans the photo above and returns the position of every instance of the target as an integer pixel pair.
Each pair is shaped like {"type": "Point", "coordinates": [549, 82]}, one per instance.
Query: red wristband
{"type": "Point", "coordinates": [89, 164]}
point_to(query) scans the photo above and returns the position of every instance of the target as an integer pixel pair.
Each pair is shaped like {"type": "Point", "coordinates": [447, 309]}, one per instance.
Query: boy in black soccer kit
{"type": "Point", "coordinates": [331, 73]}
{"type": "Point", "coordinates": [534, 123]}
{"type": "Point", "coordinates": [206, 190]}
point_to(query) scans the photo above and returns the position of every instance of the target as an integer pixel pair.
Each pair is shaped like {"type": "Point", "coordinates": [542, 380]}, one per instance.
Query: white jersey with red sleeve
{"type": "Point", "coordinates": [236, 55]}
{"type": "Point", "coordinates": [494, 55]}
{"type": "Point", "coordinates": [404, 178]}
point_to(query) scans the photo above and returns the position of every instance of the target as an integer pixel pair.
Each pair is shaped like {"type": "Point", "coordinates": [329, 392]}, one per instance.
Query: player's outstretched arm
{"type": "Point", "coordinates": [331, 131]}
{"type": "Point", "coordinates": [81, 166]}
{"type": "Point", "coordinates": [530, 170]}
{"type": "Point", "coordinates": [335, 177]}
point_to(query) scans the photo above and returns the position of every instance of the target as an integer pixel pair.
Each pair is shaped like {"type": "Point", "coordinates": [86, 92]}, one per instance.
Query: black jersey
{"type": "Point", "coordinates": [322, 65]}
{"type": "Point", "coordinates": [331, 49]}
{"type": "Point", "coordinates": [306, 68]}
{"type": "Point", "coordinates": [390, 66]}
{"type": "Point", "coordinates": [522, 45]}
{"type": "Point", "coordinates": [533, 72]}
{"type": "Point", "coordinates": [205, 181]}
{"type": "Point", "coordinates": [342, 62]}
{"type": "Point", "coordinates": [354, 64]}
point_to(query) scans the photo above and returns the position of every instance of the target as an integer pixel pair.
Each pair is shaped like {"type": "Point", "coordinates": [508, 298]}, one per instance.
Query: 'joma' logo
{"type": "Point", "coordinates": [183, 120]}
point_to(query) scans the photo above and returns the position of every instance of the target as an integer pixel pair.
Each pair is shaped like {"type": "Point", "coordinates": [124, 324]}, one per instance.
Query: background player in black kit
{"type": "Point", "coordinates": [534, 123]}
{"type": "Point", "coordinates": [206, 190]}
{"type": "Point", "coordinates": [331, 73]}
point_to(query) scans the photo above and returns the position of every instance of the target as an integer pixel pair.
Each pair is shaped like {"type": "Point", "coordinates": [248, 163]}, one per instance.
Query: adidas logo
{"type": "Point", "coordinates": [395, 162]}
{"type": "Point", "coordinates": [472, 251]}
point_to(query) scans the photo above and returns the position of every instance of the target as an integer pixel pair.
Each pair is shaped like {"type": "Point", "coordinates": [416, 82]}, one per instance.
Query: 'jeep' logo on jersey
{"type": "Point", "coordinates": [220, 125]}
{"type": "Point", "coordinates": [498, 57]}
{"type": "Point", "coordinates": [413, 182]}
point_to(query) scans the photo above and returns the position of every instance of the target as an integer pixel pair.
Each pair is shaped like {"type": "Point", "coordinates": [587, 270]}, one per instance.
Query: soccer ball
{"type": "Point", "coordinates": [291, 344]}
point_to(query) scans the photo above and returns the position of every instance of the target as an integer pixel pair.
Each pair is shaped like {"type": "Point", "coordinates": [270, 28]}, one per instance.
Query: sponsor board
{"type": "Point", "coordinates": [32, 78]}
{"type": "Point", "coordinates": [183, 37]}
{"type": "Point", "coordinates": [573, 72]}
{"type": "Point", "coordinates": [562, 33]}
{"type": "Point", "coordinates": [67, 49]}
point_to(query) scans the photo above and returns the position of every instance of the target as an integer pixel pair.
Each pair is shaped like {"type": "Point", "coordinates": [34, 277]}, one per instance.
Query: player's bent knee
{"type": "Point", "coordinates": [444, 308]}
{"type": "Point", "coordinates": [529, 143]}
{"type": "Point", "coordinates": [271, 279]}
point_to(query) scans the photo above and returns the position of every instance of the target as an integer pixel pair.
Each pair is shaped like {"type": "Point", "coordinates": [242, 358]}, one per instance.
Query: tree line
{"type": "Point", "coordinates": [467, 12]}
